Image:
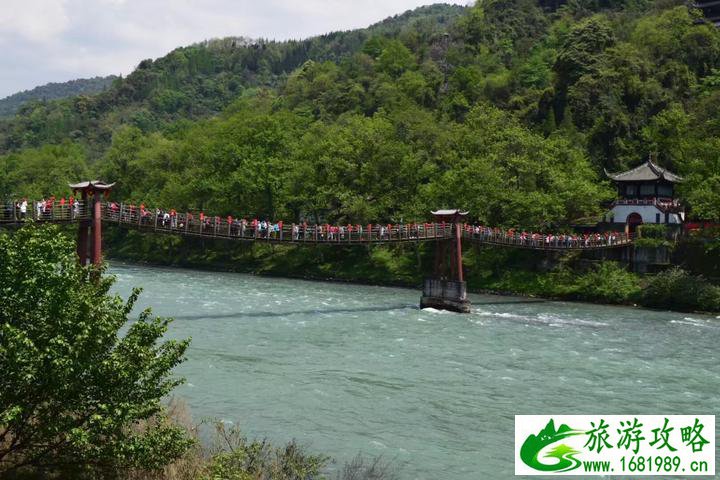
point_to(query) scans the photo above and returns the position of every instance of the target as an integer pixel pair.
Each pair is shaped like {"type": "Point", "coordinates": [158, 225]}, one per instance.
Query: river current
{"type": "Point", "coordinates": [347, 368]}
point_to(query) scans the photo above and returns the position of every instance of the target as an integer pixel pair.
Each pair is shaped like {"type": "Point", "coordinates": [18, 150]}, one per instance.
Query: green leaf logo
{"type": "Point", "coordinates": [565, 455]}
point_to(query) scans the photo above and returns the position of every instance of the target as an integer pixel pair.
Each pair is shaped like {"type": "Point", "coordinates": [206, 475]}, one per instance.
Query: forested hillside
{"type": "Point", "coordinates": [201, 80]}
{"type": "Point", "coordinates": [53, 91]}
{"type": "Point", "coordinates": [510, 109]}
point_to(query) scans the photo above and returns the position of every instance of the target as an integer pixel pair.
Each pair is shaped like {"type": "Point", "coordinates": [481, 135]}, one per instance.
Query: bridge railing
{"type": "Point", "coordinates": [48, 212]}
{"type": "Point", "coordinates": [197, 225]}
{"type": "Point", "coordinates": [549, 242]}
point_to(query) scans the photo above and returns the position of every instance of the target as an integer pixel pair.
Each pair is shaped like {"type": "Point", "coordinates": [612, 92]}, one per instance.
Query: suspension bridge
{"type": "Point", "coordinates": [446, 289]}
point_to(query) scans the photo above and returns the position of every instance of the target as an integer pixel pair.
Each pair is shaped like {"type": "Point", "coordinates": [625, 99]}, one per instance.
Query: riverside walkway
{"type": "Point", "coordinates": [229, 228]}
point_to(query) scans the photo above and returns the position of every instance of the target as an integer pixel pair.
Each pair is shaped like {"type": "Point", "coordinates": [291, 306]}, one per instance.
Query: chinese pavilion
{"type": "Point", "coordinates": [646, 194]}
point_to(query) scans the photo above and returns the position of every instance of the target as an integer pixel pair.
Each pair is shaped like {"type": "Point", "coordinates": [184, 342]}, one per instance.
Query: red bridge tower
{"type": "Point", "coordinates": [90, 196]}
{"type": "Point", "coordinates": [447, 289]}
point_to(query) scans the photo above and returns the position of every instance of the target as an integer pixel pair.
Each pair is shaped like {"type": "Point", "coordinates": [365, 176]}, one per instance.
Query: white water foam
{"type": "Point", "coordinates": [694, 322]}
{"type": "Point", "coordinates": [543, 319]}
{"type": "Point", "coordinates": [435, 310]}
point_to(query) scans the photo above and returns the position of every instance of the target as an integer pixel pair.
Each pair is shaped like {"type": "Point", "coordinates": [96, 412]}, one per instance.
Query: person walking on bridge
{"type": "Point", "coordinates": [23, 208]}
{"type": "Point", "coordinates": [62, 206]}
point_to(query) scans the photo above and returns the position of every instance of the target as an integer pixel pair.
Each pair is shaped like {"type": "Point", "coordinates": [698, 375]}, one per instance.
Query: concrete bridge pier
{"type": "Point", "coordinates": [447, 290]}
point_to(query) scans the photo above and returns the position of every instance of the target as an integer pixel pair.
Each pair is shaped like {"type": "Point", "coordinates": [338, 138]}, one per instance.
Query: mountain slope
{"type": "Point", "coordinates": [54, 91]}
{"type": "Point", "coordinates": [202, 79]}
{"type": "Point", "coordinates": [511, 109]}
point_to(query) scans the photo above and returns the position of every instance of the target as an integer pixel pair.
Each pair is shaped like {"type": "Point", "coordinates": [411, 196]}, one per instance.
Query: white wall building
{"type": "Point", "coordinates": [646, 194]}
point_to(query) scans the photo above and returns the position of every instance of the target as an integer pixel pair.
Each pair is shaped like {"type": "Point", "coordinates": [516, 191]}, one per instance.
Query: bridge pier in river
{"type": "Point", "coordinates": [90, 229]}
{"type": "Point", "coordinates": [446, 289]}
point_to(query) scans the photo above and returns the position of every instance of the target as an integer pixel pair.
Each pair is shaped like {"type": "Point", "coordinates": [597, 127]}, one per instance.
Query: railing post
{"type": "Point", "coordinates": [96, 230]}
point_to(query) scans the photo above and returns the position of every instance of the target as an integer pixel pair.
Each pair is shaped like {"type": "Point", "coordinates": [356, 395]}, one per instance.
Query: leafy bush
{"type": "Point", "coordinates": [236, 458]}
{"type": "Point", "coordinates": [677, 289]}
{"type": "Point", "coordinates": [362, 468]}
{"type": "Point", "coordinates": [653, 235]}
{"type": "Point", "coordinates": [653, 230]}
{"type": "Point", "coordinates": [76, 397]}
{"type": "Point", "coordinates": [606, 282]}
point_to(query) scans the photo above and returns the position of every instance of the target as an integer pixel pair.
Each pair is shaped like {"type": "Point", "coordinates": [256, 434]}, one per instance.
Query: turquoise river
{"type": "Point", "coordinates": [348, 368]}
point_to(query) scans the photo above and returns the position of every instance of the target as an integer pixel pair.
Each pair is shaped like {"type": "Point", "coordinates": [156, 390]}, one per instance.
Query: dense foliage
{"type": "Point", "coordinates": [510, 108]}
{"type": "Point", "coordinates": [73, 390]}
{"type": "Point", "coordinates": [679, 290]}
{"type": "Point", "coordinates": [53, 91]}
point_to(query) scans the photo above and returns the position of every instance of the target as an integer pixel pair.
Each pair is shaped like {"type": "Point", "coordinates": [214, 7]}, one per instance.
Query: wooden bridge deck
{"type": "Point", "coordinates": [186, 224]}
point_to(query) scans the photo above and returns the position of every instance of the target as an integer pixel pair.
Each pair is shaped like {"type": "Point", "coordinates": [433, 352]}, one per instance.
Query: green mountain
{"type": "Point", "coordinates": [53, 91]}
{"type": "Point", "coordinates": [511, 109]}
{"type": "Point", "coordinates": [202, 79]}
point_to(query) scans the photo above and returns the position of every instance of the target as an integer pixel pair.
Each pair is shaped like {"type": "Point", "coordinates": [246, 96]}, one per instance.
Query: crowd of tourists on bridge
{"type": "Point", "coordinates": [51, 208]}
{"type": "Point", "coordinates": [264, 229]}
{"type": "Point", "coordinates": [544, 240]}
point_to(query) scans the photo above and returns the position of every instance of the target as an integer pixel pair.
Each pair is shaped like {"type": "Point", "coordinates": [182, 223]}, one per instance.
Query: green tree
{"type": "Point", "coordinates": [396, 58]}
{"type": "Point", "coordinates": [582, 48]}
{"type": "Point", "coordinates": [75, 394]}
{"type": "Point", "coordinates": [43, 171]}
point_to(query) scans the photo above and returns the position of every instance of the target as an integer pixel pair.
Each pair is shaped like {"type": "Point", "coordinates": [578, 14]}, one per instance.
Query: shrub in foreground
{"type": "Point", "coordinates": [76, 397]}
{"type": "Point", "coordinates": [231, 456]}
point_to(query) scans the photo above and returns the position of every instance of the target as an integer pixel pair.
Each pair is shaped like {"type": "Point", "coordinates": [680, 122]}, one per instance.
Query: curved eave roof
{"type": "Point", "coordinates": [449, 212]}
{"type": "Point", "coordinates": [647, 172]}
{"type": "Point", "coordinates": [95, 184]}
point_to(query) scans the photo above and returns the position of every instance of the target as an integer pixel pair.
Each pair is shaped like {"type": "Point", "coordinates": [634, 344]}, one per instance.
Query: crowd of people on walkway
{"type": "Point", "coordinates": [63, 208]}
{"type": "Point", "coordinates": [545, 240]}
{"type": "Point", "coordinates": [50, 208]}
{"type": "Point", "coordinates": [266, 229]}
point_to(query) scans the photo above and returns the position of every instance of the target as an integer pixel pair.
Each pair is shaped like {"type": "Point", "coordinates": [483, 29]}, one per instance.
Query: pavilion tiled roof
{"type": "Point", "coordinates": [449, 212]}
{"type": "Point", "coordinates": [96, 184]}
{"type": "Point", "coordinates": [647, 172]}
